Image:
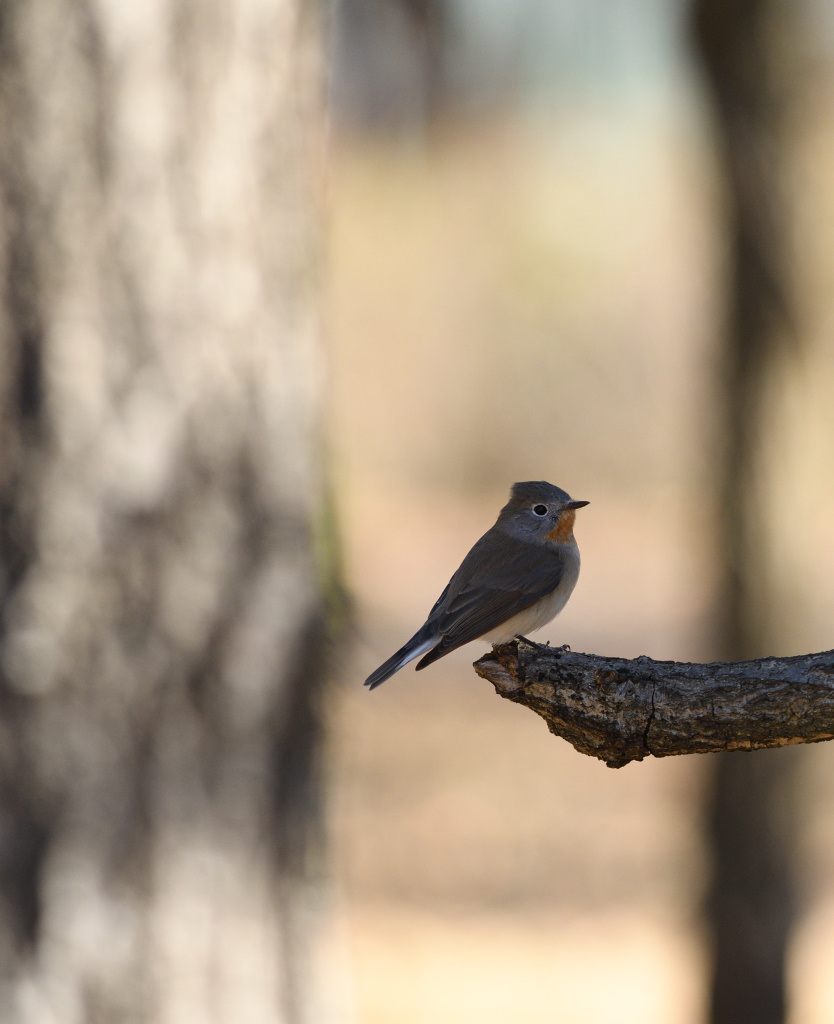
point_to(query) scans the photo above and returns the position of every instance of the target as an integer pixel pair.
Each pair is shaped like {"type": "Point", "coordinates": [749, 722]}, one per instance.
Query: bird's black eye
{"type": "Point", "coordinates": [540, 510]}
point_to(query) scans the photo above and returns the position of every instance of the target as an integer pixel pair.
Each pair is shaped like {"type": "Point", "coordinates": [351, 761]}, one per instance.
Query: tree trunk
{"type": "Point", "coordinates": [162, 617]}
{"type": "Point", "coordinates": [750, 820]}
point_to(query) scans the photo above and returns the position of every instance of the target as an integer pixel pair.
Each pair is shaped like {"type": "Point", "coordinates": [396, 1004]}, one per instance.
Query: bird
{"type": "Point", "coordinates": [514, 580]}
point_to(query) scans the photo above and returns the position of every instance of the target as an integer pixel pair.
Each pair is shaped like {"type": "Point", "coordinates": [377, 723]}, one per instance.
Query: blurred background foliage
{"type": "Point", "coordinates": [527, 279]}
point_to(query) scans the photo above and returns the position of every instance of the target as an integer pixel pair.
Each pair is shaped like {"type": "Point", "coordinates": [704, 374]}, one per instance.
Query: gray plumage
{"type": "Point", "coordinates": [521, 572]}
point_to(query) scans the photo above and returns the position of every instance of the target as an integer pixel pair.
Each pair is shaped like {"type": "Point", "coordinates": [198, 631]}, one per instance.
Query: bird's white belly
{"type": "Point", "coordinates": [540, 613]}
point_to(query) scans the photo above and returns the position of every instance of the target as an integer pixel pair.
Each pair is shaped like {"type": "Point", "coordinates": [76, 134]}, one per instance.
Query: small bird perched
{"type": "Point", "coordinates": [516, 578]}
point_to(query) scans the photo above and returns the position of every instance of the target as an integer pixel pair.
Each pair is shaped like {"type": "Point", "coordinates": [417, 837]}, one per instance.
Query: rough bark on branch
{"type": "Point", "coordinates": [622, 710]}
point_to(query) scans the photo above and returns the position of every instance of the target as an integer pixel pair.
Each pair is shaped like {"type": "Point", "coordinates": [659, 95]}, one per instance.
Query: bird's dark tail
{"type": "Point", "coordinates": [421, 642]}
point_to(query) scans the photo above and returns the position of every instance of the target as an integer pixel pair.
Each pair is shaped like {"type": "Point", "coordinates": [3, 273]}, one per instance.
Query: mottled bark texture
{"type": "Point", "coordinates": [622, 710]}
{"type": "Point", "coordinates": [162, 615]}
{"type": "Point", "coordinates": [752, 822]}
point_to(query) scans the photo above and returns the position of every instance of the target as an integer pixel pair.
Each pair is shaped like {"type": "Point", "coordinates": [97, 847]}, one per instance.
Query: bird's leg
{"type": "Point", "coordinates": [532, 643]}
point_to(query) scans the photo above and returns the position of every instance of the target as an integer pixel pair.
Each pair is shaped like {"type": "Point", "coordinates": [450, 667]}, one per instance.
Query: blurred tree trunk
{"type": "Point", "coordinates": [429, 18]}
{"type": "Point", "coordinates": [752, 803]}
{"type": "Point", "coordinates": [389, 67]}
{"type": "Point", "coordinates": [162, 617]}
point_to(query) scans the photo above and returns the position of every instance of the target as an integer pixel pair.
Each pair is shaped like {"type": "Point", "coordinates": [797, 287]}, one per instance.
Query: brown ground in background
{"type": "Point", "coordinates": [504, 309]}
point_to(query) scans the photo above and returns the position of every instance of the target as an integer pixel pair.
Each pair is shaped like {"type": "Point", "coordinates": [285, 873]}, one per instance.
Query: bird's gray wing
{"type": "Point", "coordinates": [483, 594]}
{"type": "Point", "coordinates": [440, 600]}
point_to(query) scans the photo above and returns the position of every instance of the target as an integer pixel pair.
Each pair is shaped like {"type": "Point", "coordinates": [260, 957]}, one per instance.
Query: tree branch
{"type": "Point", "coordinates": [622, 710]}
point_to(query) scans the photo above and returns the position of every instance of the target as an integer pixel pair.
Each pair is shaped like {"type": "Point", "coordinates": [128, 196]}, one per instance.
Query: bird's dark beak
{"type": "Point", "coordinates": [577, 504]}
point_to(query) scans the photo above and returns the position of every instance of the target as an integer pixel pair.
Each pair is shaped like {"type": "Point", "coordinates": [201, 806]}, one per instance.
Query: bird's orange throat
{"type": "Point", "coordinates": [563, 530]}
